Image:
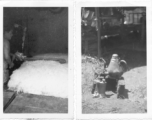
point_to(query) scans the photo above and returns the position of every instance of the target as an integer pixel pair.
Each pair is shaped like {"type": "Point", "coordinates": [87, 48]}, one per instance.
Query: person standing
{"type": "Point", "coordinates": [8, 62]}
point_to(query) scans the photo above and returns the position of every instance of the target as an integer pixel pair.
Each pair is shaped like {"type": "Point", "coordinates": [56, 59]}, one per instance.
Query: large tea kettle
{"type": "Point", "coordinates": [116, 67]}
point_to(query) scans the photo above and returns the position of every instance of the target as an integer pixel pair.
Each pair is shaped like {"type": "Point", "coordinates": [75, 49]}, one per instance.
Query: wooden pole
{"type": "Point", "coordinates": [98, 32]}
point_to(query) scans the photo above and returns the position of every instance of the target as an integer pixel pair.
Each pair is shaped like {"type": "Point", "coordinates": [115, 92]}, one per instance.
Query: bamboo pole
{"type": "Point", "coordinates": [98, 32]}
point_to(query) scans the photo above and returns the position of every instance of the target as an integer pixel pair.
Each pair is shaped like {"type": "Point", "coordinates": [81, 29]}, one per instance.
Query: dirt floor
{"type": "Point", "coordinates": [135, 84]}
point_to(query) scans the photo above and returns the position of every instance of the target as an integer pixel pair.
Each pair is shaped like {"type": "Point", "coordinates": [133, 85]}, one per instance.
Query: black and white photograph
{"type": "Point", "coordinates": [35, 60]}
{"type": "Point", "coordinates": [114, 80]}
{"type": "Point", "coordinates": [75, 59]}
{"type": "Point", "coordinates": [114, 68]}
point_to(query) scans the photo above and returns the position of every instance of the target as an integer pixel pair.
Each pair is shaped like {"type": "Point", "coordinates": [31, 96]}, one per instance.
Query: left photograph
{"type": "Point", "coordinates": [35, 60]}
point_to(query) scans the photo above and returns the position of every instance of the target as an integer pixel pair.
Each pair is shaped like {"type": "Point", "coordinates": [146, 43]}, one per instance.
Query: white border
{"type": "Point", "coordinates": [113, 3]}
{"type": "Point", "coordinates": [41, 3]}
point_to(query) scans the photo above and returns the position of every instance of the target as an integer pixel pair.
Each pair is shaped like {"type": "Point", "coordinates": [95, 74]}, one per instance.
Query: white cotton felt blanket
{"type": "Point", "coordinates": [41, 77]}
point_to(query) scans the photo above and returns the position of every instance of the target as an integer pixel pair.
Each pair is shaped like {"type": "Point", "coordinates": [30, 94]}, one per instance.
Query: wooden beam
{"type": "Point", "coordinates": [109, 17]}
{"type": "Point", "coordinates": [98, 32]}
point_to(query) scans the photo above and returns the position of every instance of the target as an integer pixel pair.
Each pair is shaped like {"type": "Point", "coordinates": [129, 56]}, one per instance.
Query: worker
{"type": "Point", "coordinates": [8, 62]}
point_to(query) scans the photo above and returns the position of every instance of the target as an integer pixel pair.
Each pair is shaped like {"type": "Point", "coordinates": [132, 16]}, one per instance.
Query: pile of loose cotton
{"type": "Point", "coordinates": [41, 77]}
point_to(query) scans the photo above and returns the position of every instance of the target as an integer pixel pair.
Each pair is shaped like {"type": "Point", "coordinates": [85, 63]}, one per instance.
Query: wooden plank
{"type": "Point", "coordinates": [7, 96]}
{"type": "Point", "coordinates": [25, 109]}
{"type": "Point", "coordinates": [5, 101]}
{"type": "Point", "coordinates": [26, 103]}
{"type": "Point", "coordinates": [110, 17]}
{"type": "Point", "coordinates": [30, 109]}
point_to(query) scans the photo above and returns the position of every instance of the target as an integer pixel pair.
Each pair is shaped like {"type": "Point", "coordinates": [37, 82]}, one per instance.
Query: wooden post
{"type": "Point", "coordinates": [98, 32]}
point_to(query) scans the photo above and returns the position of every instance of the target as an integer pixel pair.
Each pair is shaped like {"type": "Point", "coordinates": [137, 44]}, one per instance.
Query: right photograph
{"type": "Point", "coordinates": [114, 68]}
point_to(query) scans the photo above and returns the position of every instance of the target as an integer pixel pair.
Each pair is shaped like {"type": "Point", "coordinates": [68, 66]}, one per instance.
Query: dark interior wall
{"type": "Point", "coordinates": [47, 32]}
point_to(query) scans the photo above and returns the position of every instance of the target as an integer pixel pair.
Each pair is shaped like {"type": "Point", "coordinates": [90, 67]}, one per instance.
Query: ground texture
{"type": "Point", "coordinates": [29, 103]}
{"type": "Point", "coordinates": [135, 85]}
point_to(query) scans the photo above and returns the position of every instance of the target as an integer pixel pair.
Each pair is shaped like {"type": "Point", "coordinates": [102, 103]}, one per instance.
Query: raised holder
{"type": "Point", "coordinates": [101, 88]}
{"type": "Point", "coordinates": [121, 88]}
